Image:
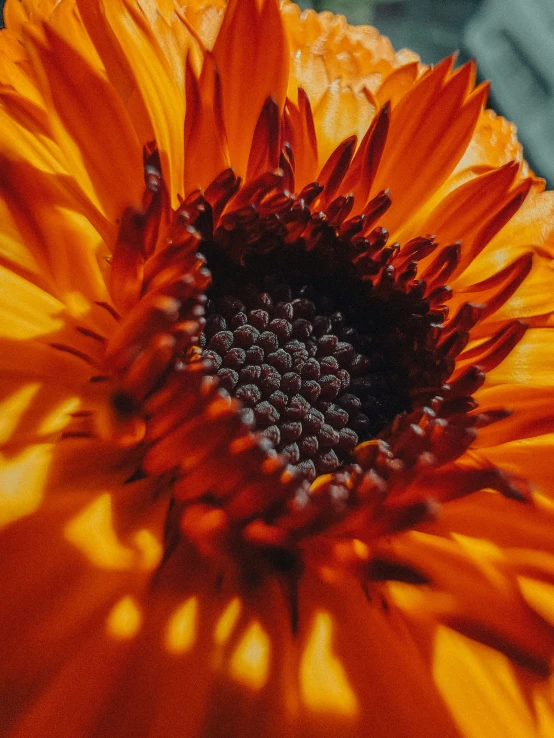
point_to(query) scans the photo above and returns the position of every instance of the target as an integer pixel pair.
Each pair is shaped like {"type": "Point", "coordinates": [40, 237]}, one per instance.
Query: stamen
{"type": "Point", "coordinates": [74, 352]}
{"type": "Point", "coordinates": [338, 350]}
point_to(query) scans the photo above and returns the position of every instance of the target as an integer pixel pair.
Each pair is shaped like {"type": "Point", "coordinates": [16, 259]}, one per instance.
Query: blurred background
{"type": "Point", "coordinates": [512, 40]}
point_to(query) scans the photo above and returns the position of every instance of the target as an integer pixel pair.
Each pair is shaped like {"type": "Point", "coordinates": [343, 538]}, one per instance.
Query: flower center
{"type": "Point", "coordinates": [285, 360]}
{"type": "Point", "coordinates": [326, 336]}
{"type": "Point", "coordinates": [319, 360]}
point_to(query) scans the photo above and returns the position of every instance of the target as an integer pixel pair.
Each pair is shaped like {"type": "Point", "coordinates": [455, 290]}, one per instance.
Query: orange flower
{"type": "Point", "coordinates": [274, 458]}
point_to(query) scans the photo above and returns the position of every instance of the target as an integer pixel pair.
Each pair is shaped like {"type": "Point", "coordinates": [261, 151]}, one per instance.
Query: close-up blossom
{"type": "Point", "coordinates": [275, 382]}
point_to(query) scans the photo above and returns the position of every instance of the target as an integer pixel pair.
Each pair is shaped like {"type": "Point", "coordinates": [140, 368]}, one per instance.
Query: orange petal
{"type": "Point", "coordinates": [531, 413]}
{"type": "Point", "coordinates": [486, 693]}
{"type": "Point", "coordinates": [441, 117]}
{"type": "Point", "coordinates": [461, 214]}
{"type": "Point", "coordinates": [530, 362]}
{"type": "Point", "coordinates": [252, 57]}
{"type": "Point", "coordinates": [300, 132]}
{"type": "Point", "coordinates": [43, 207]}
{"type": "Point", "coordinates": [483, 602]}
{"type": "Point", "coordinates": [398, 84]}
{"type": "Point", "coordinates": [206, 150]}
{"type": "Point", "coordinates": [158, 89]}
{"type": "Point", "coordinates": [340, 114]}
{"type": "Point", "coordinates": [112, 165]}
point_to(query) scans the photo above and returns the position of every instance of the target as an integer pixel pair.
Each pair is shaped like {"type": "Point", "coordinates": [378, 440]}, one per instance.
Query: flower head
{"type": "Point", "coordinates": [275, 382]}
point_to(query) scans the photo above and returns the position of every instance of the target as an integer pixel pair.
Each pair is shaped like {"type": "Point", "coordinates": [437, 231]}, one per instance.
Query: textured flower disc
{"type": "Point", "coordinates": [275, 379]}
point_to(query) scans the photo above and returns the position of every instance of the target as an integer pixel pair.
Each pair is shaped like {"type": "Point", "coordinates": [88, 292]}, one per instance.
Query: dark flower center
{"type": "Point", "coordinates": [320, 365]}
